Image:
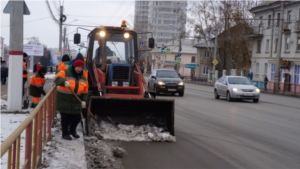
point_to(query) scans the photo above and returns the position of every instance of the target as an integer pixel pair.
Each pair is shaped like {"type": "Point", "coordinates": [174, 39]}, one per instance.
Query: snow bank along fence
{"type": "Point", "coordinates": [38, 130]}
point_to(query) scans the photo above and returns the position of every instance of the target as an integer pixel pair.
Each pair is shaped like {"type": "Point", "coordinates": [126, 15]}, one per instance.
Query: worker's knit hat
{"type": "Point", "coordinates": [78, 63]}
{"type": "Point", "coordinates": [79, 56]}
{"type": "Point", "coordinates": [65, 58]}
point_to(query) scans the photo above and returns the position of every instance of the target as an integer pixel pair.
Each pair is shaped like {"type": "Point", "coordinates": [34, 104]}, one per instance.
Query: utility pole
{"type": "Point", "coordinates": [278, 54]}
{"type": "Point", "coordinates": [64, 40]}
{"type": "Point", "coordinates": [179, 50]}
{"type": "Point", "coordinates": [14, 94]}
{"type": "Point", "coordinates": [215, 56]}
{"type": "Point", "coordinates": [60, 30]}
{"type": "Point", "coordinates": [272, 33]}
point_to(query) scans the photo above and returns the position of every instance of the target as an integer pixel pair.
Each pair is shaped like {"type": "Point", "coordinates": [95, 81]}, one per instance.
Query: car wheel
{"type": "Point", "coordinates": [255, 100]}
{"type": "Point", "coordinates": [181, 94]}
{"type": "Point", "coordinates": [228, 97]}
{"type": "Point", "coordinates": [216, 94]}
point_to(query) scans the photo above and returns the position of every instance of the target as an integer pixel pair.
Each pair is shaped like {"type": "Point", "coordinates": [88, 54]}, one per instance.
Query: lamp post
{"type": "Point", "coordinates": [179, 47]}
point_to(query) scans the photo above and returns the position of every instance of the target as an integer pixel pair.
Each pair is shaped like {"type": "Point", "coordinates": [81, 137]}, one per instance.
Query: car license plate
{"type": "Point", "coordinates": [248, 94]}
{"type": "Point", "coordinates": [171, 89]}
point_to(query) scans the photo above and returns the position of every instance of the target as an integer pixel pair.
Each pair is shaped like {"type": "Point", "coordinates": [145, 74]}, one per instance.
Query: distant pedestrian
{"type": "Point", "coordinates": [266, 81]}
{"type": "Point", "coordinates": [69, 107]}
{"type": "Point", "coordinates": [4, 72]}
{"type": "Point", "coordinates": [192, 76]}
{"type": "Point", "coordinates": [51, 69]}
{"type": "Point", "coordinates": [38, 66]}
{"type": "Point", "coordinates": [25, 73]}
{"type": "Point", "coordinates": [142, 69]}
{"type": "Point", "coordinates": [37, 83]}
{"type": "Point", "coordinates": [34, 68]}
{"type": "Point", "coordinates": [250, 75]}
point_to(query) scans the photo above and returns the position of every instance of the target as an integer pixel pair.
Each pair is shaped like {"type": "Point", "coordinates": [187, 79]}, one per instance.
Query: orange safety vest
{"type": "Point", "coordinates": [25, 69]}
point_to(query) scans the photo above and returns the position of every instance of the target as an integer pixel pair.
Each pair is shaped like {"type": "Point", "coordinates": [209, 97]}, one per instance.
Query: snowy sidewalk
{"type": "Point", "coordinates": [61, 154]}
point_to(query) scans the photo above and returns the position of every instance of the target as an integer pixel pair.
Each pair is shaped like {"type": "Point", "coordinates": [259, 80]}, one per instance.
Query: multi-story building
{"type": "Point", "coordinates": [204, 59]}
{"type": "Point", "coordinates": [165, 19]}
{"type": "Point", "coordinates": [168, 59]}
{"type": "Point", "coordinates": [265, 41]}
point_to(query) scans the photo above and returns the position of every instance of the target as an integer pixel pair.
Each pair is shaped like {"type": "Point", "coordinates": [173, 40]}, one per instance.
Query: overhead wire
{"type": "Point", "coordinates": [109, 20]}
{"type": "Point", "coordinates": [128, 9]}
{"type": "Point", "coordinates": [30, 21]}
{"type": "Point", "coordinates": [49, 8]}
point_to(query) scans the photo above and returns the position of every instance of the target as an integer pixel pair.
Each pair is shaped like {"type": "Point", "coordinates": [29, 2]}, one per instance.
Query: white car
{"type": "Point", "coordinates": [236, 87]}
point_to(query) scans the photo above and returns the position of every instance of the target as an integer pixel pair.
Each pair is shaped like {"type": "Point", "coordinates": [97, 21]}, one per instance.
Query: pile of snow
{"type": "Point", "coordinates": [49, 76]}
{"type": "Point", "coordinates": [4, 108]}
{"type": "Point", "coordinates": [122, 132]}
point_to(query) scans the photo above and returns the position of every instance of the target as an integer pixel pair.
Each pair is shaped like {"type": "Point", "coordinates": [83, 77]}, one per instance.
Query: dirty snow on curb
{"type": "Point", "coordinates": [122, 132]}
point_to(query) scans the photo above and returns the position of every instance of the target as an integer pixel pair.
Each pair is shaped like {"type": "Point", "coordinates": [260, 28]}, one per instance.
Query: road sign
{"type": "Point", "coordinates": [141, 42]}
{"type": "Point", "coordinates": [7, 9]}
{"type": "Point", "coordinates": [178, 59]}
{"type": "Point", "coordinates": [168, 50]}
{"type": "Point", "coordinates": [192, 66]}
{"type": "Point", "coordinates": [215, 62]}
{"type": "Point", "coordinates": [178, 54]}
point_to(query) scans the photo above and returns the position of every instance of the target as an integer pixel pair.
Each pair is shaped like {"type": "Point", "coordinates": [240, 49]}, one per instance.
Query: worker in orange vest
{"type": "Point", "coordinates": [37, 83]}
{"type": "Point", "coordinates": [25, 73]}
{"type": "Point", "coordinates": [85, 71]}
{"type": "Point", "coordinates": [65, 62]}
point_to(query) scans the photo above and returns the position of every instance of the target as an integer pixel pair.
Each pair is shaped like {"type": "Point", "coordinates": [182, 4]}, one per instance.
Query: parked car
{"type": "Point", "coordinates": [166, 81]}
{"type": "Point", "coordinates": [236, 87]}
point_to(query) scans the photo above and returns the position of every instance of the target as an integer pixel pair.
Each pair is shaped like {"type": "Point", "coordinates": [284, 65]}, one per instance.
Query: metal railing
{"type": "Point", "coordinates": [38, 130]}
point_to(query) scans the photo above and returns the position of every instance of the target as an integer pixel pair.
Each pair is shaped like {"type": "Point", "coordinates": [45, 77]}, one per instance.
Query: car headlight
{"type": "Point", "coordinates": [257, 90]}
{"type": "Point", "coordinates": [235, 89]}
{"type": "Point", "coordinates": [114, 83]}
{"type": "Point", "coordinates": [160, 83]}
{"type": "Point", "coordinates": [180, 84]}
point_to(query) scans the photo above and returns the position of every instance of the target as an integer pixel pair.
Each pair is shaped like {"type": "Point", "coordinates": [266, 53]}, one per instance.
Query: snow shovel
{"type": "Point", "coordinates": [82, 118]}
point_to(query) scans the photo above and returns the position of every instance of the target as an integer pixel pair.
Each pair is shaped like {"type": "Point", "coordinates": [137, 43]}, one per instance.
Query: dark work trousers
{"type": "Point", "coordinates": [69, 123]}
{"type": "Point", "coordinates": [3, 80]}
{"type": "Point", "coordinates": [24, 81]}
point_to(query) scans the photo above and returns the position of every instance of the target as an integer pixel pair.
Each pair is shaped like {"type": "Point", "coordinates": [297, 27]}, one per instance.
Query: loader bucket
{"type": "Point", "coordinates": [136, 111]}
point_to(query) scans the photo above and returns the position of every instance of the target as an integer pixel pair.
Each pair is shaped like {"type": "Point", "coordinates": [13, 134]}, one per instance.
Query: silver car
{"type": "Point", "coordinates": [236, 87]}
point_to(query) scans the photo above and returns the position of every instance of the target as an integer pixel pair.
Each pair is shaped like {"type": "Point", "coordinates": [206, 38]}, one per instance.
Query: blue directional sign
{"type": "Point", "coordinates": [141, 42]}
{"type": "Point", "coordinates": [192, 66]}
{"type": "Point", "coordinates": [179, 54]}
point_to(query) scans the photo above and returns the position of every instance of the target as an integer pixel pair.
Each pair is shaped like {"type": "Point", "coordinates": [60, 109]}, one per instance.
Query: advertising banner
{"type": "Point", "coordinates": [33, 50]}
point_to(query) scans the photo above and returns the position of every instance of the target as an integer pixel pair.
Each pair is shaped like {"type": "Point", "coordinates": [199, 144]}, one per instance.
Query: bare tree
{"type": "Point", "coordinates": [34, 40]}
{"type": "Point", "coordinates": [230, 20]}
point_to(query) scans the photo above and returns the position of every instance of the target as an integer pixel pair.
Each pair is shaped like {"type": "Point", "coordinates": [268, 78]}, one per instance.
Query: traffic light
{"type": "Point", "coordinates": [79, 50]}
{"type": "Point", "coordinates": [162, 50]}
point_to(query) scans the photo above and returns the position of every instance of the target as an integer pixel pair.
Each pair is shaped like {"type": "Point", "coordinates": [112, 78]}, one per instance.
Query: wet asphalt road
{"type": "Point", "coordinates": [219, 134]}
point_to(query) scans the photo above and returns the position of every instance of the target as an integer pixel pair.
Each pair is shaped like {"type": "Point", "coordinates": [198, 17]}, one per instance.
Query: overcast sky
{"type": "Point", "coordinates": [87, 12]}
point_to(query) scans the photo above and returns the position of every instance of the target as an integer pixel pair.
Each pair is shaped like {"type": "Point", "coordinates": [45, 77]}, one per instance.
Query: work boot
{"type": "Point", "coordinates": [75, 135]}
{"type": "Point", "coordinates": [67, 137]}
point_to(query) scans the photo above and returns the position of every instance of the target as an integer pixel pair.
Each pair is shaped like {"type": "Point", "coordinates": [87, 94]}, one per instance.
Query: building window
{"type": "Point", "coordinates": [289, 16]}
{"type": "Point", "coordinates": [267, 45]}
{"type": "Point", "coordinates": [269, 21]}
{"type": "Point", "coordinates": [206, 53]}
{"type": "Point", "coordinates": [278, 19]}
{"type": "Point", "coordinates": [298, 43]}
{"type": "Point", "coordinates": [287, 45]}
{"type": "Point", "coordinates": [272, 72]}
{"type": "Point", "coordinates": [258, 46]}
{"type": "Point", "coordinates": [257, 68]}
{"type": "Point", "coordinates": [193, 59]}
{"type": "Point", "coordinates": [266, 68]}
{"type": "Point", "coordinates": [275, 47]}
{"type": "Point", "coordinates": [205, 70]}
{"type": "Point", "coordinates": [296, 74]}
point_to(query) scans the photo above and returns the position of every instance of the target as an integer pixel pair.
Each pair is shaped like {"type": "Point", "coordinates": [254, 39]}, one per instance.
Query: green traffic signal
{"type": "Point", "coordinates": [162, 50]}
